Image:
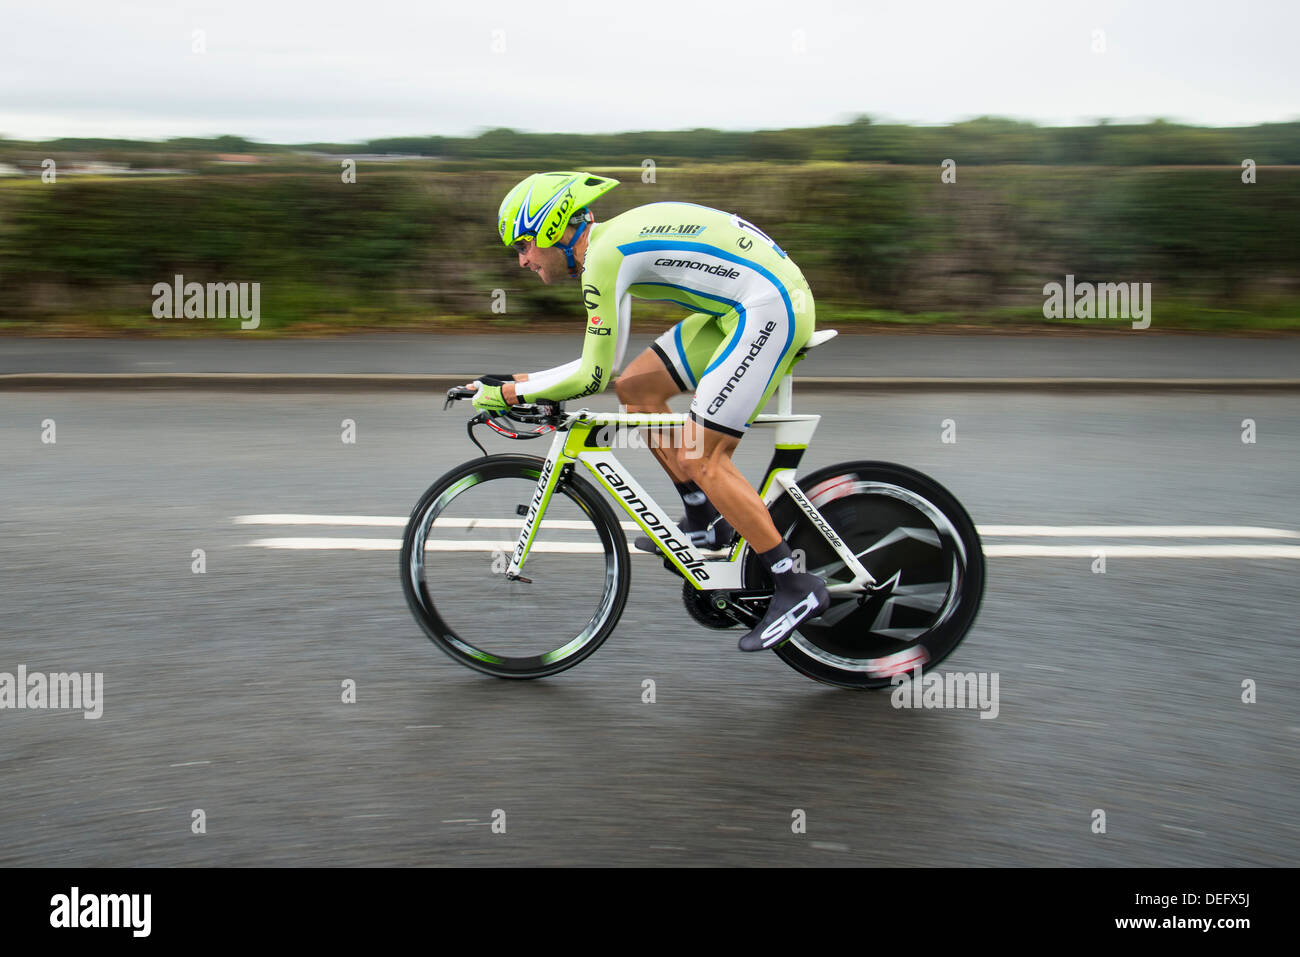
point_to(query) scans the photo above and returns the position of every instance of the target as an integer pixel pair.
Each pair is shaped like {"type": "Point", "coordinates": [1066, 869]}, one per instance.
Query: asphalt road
{"type": "Point", "coordinates": [1132, 354]}
{"type": "Point", "coordinates": [1119, 692]}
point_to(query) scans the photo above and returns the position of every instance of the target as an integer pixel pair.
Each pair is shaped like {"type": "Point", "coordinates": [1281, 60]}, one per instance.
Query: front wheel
{"type": "Point", "coordinates": [918, 543]}
{"type": "Point", "coordinates": [458, 544]}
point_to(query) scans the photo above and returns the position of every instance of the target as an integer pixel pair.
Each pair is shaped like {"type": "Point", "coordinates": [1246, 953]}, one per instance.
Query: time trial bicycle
{"type": "Point", "coordinates": [516, 565]}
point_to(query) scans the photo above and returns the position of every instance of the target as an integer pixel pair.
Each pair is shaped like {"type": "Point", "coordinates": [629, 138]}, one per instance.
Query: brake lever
{"type": "Point", "coordinates": [453, 396]}
{"type": "Point", "coordinates": [469, 429]}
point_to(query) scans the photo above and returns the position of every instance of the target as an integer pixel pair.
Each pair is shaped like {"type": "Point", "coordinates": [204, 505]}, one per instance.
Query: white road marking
{"type": "Point", "coordinates": [1009, 550]}
{"type": "Point", "coordinates": [1134, 531]}
{"type": "Point", "coordinates": [992, 531]}
{"type": "Point", "coordinates": [1143, 551]}
{"type": "Point", "coordinates": [395, 521]}
{"type": "Point", "coordinates": [990, 551]}
{"type": "Point", "coordinates": [434, 545]}
{"type": "Point", "coordinates": [391, 521]}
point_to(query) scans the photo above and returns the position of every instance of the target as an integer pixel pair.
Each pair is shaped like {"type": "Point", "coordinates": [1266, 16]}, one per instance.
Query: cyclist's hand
{"type": "Point", "coordinates": [488, 398]}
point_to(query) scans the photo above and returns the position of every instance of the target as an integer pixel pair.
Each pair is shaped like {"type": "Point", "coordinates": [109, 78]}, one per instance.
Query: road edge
{"type": "Point", "coordinates": [427, 383]}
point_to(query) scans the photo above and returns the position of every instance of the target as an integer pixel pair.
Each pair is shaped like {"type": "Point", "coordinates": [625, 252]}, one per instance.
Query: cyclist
{"type": "Point", "coordinates": [751, 310]}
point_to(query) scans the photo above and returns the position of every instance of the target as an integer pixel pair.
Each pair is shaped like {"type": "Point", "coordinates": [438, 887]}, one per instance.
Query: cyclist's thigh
{"type": "Point", "coordinates": [805, 323]}
{"type": "Point", "coordinates": [746, 369]}
{"type": "Point", "coordinates": [645, 381]}
{"type": "Point", "coordinates": [687, 347]}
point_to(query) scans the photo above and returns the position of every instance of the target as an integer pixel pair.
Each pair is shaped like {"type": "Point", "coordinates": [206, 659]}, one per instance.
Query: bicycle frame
{"type": "Point", "coordinates": [582, 439]}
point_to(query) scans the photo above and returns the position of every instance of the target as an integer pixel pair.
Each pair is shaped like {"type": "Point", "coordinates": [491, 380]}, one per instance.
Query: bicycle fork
{"type": "Point", "coordinates": [553, 471]}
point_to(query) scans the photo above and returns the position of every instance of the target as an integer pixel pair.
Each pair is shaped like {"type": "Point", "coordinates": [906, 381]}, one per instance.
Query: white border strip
{"type": "Point", "coordinates": [991, 531]}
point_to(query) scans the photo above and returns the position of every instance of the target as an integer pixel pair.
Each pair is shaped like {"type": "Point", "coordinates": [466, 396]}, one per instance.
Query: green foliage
{"type": "Point", "coordinates": [986, 140]}
{"type": "Point", "coordinates": [881, 243]}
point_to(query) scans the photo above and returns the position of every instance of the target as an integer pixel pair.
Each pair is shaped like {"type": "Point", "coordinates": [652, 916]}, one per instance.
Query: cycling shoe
{"type": "Point", "coordinates": [798, 599]}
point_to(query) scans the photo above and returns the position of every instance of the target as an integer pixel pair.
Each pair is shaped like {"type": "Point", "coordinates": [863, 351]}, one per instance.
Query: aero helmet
{"type": "Point", "coordinates": [541, 206]}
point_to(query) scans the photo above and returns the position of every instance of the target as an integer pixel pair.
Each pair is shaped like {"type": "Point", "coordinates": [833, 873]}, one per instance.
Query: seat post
{"type": "Point", "coordinates": [785, 389]}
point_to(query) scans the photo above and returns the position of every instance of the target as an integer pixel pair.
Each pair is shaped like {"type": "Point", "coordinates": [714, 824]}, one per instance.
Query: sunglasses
{"type": "Point", "coordinates": [521, 245]}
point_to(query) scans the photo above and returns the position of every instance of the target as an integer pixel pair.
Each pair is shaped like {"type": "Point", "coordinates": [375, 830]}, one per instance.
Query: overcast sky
{"type": "Point", "coordinates": [338, 71]}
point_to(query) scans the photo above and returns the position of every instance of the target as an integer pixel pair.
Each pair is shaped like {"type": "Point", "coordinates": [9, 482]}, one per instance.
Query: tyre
{"type": "Point", "coordinates": [458, 544]}
{"type": "Point", "coordinates": [919, 544]}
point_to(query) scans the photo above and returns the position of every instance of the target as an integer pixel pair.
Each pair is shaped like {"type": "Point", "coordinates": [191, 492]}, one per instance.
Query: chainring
{"type": "Point", "coordinates": [700, 607]}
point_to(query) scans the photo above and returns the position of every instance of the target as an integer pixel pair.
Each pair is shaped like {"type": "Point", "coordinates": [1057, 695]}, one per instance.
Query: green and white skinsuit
{"type": "Point", "coordinates": [752, 310]}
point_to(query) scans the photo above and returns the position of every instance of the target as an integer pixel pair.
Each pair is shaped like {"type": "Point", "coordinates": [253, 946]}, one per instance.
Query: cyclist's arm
{"type": "Point", "coordinates": [534, 384]}
{"type": "Point", "coordinates": [507, 383]}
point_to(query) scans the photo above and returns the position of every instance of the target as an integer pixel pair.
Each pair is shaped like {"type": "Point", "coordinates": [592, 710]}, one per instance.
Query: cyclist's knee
{"type": "Point", "coordinates": [627, 393]}
{"type": "Point", "coordinates": [703, 452]}
{"type": "Point", "coordinates": [693, 465]}
{"type": "Point", "coordinates": [634, 393]}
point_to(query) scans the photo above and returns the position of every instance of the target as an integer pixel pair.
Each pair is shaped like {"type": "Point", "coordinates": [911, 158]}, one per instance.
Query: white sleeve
{"type": "Point", "coordinates": [540, 381]}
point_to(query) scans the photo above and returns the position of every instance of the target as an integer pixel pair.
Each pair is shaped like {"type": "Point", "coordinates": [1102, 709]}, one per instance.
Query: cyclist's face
{"type": "Point", "coordinates": [548, 262]}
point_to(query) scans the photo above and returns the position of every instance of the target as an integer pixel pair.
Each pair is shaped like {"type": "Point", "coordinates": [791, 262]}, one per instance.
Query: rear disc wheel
{"type": "Point", "coordinates": [918, 543]}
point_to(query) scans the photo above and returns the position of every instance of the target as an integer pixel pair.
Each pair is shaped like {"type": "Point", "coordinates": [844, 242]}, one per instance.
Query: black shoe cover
{"type": "Point", "coordinates": [798, 599]}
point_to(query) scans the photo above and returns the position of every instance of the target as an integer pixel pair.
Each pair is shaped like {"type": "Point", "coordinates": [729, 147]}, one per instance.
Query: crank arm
{"type": "Point", "coordinates": [862, 588]}
{"type": "Point", "coordinates": [737, 605]}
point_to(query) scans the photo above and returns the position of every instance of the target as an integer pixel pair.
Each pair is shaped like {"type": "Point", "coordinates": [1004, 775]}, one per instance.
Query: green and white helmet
{"type": "Point", "coordinates": [540, 207]}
